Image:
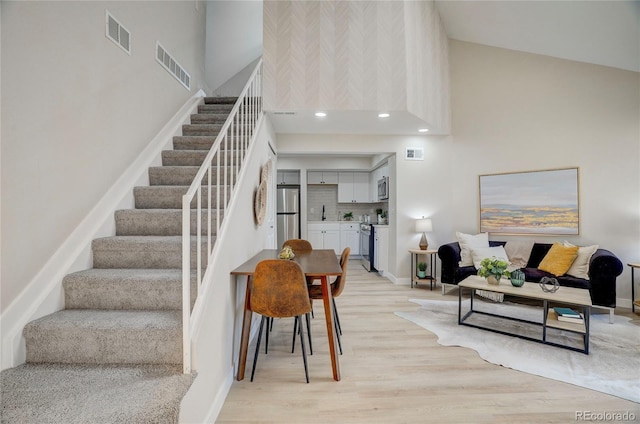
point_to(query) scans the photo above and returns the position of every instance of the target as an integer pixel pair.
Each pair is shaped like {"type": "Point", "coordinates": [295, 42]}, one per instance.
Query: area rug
{"type": "Point", "coordinates": [612, 366]}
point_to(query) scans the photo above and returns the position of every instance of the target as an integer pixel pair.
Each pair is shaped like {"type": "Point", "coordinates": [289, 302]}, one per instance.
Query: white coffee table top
{"type": "Point", "coordinates": [529, 290]}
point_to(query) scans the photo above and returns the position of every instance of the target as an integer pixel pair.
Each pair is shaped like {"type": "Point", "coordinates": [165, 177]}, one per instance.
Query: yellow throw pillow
{"type": "Point", "coordinates": [558, 259]}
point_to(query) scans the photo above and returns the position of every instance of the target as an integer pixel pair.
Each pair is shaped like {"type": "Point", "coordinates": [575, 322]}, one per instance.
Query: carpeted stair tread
{"type": "Point", "coordinates": [174, 175]}
{"type": "Point", "coordinates": [105, 337]}
{"type": "Point", "coordinates": [81, 394]}
{"type": "Point", "coordinates": [209, 118]}
{"type": "Point", "coordinates": [179, 175]}
{"type": "Point", "coordinates": [156, 252]}
{"type": "Point", "coordinates": [209, 100]}
{"type": "Point", "coordinates": [183, 157]}
{"type": "Point", "coordinates": [215, 108]}
{"type": "Point", "coordinates": [193, 142]}
{"type": "Point", "coordinates": [168, 197]}
{"type": "Point", "coordinates": [140, 289]}
{"type": "Point", "coordinates": [199, 142]}
{"type": "Point", "coordinates": [205, 129]}
{"type": "Point", "coordinates": [201, 129]}
{"type": "Point", "coordinates": [158, 222]}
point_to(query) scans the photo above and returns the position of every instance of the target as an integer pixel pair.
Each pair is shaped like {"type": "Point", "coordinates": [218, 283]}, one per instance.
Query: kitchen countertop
{"type": "Point", "coordinates": [333, 222]}
{"type": "Point", "coordinates": [346, 222]}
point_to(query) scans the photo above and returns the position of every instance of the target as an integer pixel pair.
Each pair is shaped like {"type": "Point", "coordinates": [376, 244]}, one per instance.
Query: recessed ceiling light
{"type": "Point", "coordinates": [383, 115]}
{"type": "Point", "coordinates": [321, 114]}
{"type": "Point", "coordinates": [423, 130]}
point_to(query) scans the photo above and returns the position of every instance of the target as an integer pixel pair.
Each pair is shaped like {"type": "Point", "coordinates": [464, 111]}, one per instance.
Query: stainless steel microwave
{"type": "Point", "coordinates": [383, 188]}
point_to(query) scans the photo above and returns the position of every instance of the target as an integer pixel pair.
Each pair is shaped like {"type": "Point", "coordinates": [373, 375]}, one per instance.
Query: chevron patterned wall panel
{"type": "Point", "coordinates": [356, 55]}
{"type": "Point", "coordinates": [427, 65]}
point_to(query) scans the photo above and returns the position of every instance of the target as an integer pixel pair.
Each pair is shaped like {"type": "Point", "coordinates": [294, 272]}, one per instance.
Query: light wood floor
{"type": "Point", "coordinates": [394, 371]}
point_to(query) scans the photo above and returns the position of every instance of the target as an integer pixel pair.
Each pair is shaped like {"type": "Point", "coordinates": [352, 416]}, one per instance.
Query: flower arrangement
{"type": "Point", "coordinates": [286, 253]}
{"type": "Point", "coordinates": [494, 266]}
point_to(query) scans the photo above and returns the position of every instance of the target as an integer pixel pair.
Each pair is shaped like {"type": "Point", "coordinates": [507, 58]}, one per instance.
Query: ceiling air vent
{"type": "Point", "coordinates": [117, 33]}
{"type": "Point", "coordinates": [173, 67]}
{"type": "Point", "coordinates": [414, 153]}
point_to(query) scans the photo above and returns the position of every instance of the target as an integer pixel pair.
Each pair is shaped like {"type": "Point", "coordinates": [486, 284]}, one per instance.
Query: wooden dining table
{"type": "Point", "coordinates": [319, 264]}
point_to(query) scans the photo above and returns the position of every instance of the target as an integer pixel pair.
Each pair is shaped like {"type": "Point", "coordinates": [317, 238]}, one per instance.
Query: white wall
{"type": "Point", "coordinates": [216, 341]}
{"type": "Point", "coordinates": [0, 150]}
{"type": "Point", "coordinates": [234, 40]}
{"type": "Point", "coordinates": [78, 110]}
{"type": "Point", "coordinates": [515, 111]}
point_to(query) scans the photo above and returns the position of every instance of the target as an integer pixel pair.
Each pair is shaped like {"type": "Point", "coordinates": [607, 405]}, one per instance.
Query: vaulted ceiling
{"type": "Point", "coordinates": [602, 32]}
{"type": "Point", "coordinates": [605, 32]}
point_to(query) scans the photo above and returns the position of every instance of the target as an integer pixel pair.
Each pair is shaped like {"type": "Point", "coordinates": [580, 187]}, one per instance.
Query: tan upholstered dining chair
{"type": "Point", "coordinates": [279, 290]}
{"type": "Point", "coordinates": [298, 245]}
{"type": "Point", "coordinates": [315, 293]}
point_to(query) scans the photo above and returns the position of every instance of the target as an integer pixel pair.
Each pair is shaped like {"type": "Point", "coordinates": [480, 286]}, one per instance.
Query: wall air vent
{"type": "Point", "coordinates": [173, 67]}
{"type": "Point", "coordinates": [117, 33]}
{"type": "Point", "coordinates": [414, 153]}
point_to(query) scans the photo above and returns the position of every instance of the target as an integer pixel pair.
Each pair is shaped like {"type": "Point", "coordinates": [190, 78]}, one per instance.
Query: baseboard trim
{"type": "Point", "coordinates": [217, 402]}
{"type": "Point", "coordinates": [43, 295]}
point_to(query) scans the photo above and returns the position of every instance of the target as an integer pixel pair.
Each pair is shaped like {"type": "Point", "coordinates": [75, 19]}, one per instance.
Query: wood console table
{"type": "Point", "coordinates": [565, 296]}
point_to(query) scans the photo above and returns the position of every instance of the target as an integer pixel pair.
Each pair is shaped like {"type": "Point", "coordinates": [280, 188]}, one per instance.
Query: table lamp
{"type": "Point", "coordinates": [423, 225]}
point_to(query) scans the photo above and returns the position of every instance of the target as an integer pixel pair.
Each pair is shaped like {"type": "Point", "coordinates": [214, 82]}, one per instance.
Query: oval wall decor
{"type": "Point", "coordinates": [266, 171]}
{"type": "Point", "coordinates": [260, 202]}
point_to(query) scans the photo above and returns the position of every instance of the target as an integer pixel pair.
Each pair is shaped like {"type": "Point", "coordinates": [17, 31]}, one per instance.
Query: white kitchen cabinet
{"type": "Point", "coordinates": [322, 177]}
{"type": "Point", "coordinates": [384, 170]}
{"type": "Point", "coordinates": [361, 187]}
{"type": "Point", "coordinates": [350, 237]}
{"type": "Point", "coordinates": [353, 187]}
{"type": "Point", "coordinates": [324, 236]}
{"type": "Point", "coordinates": [288, 177]}
{"type": "Point", "coordinates": [373, 186]}
{"type": "Point", "coordinates": [381, 249]}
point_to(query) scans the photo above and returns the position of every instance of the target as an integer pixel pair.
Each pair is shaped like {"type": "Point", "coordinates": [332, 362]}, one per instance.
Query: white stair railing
{"type": "Point", "coordinates": [225, 159]}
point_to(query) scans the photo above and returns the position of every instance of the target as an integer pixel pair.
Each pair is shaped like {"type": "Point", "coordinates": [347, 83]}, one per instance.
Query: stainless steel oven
{"type": "Point", "coordinates": [367, 246]}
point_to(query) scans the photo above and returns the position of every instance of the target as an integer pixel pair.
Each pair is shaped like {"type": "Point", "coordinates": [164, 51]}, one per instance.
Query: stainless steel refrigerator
{"type": "Point", "coordinates": [288, 213]}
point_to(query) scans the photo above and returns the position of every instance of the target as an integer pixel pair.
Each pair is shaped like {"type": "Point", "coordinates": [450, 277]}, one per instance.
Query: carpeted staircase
{"type": "Point", "coordinates": [114, 354]}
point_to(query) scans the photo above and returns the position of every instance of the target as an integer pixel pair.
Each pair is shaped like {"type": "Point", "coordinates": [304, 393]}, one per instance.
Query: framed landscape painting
{"type": "Point", "coordinates": [534, 202]}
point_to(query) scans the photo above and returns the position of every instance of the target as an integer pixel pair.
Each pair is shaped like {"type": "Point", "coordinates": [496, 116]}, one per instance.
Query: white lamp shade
{"type": "Point", "coordinates": [423, 225]}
